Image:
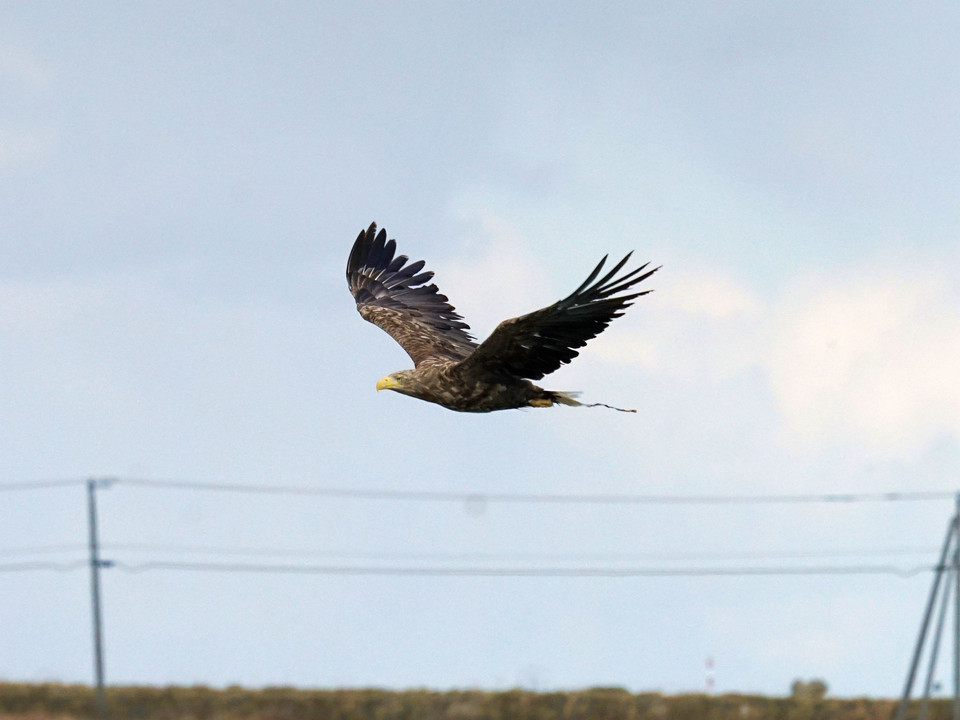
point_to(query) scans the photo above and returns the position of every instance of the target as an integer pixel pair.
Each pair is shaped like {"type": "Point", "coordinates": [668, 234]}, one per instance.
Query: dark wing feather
{"type": "Point", "coordinates": [538, 343]}
{"type": "Point", "coordinates": [391, 294]}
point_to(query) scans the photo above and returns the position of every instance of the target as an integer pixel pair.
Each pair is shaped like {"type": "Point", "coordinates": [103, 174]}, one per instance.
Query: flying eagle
{"type": "Point", "coordinates": [450, 368]}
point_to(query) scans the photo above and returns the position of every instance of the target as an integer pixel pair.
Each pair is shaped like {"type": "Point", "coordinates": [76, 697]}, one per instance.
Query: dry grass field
{"type": "Point", "coordinates": [77, 702]}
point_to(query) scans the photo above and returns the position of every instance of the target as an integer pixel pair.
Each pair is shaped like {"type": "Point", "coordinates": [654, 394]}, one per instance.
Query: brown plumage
{"type": "Point", "coordinates": [450, 368]}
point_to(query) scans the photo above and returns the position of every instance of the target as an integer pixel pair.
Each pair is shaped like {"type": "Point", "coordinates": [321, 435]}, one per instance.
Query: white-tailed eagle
{"type": "Point", "coordinates": [450, 368]}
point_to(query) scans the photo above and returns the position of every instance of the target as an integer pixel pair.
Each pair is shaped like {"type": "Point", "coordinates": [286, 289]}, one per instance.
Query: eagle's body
{"type": "Point", "coordinates": [450, 368]}
{"type": "Point", "coordinates": [448, 384]}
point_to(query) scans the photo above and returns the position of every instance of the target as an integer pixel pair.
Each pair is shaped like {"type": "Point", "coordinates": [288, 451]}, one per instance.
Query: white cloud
{"type": "Point", "coordinates": [709, 293]}
{"type": "Point", "coordinates": [23, 78]}
{"type": "Point", "coordinates": [697, 324]}
{"type": "Point", "coordinates": [500, 278]}
{"type": "Point", "coordinates": [29, 308]}
{"type": "Point", "coordinates": [866, 357]}
{"type": "Point", "coordinates": [23, 67]}
{"type": "Point", "coordinates": [870, 357]}
{"type": "Point", "coordinates": [25, 146]}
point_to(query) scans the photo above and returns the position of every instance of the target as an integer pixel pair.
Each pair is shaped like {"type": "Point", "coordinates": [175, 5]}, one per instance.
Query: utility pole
{"type": "Point", "coordinates": [951, 587]}
{"type": "Point", "coordinates": [956, 616]}
{"type": "Point", "coordinates": [95, 565]}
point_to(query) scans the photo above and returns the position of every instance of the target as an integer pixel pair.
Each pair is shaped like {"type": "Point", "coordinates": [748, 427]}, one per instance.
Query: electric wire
{"type": "Point", "coordinates": [557, 572]}
{"type": "Point", "coordinates": [512, 556]}
{"type": "Point", "coordinates": [473, 571]}
{"type": "Point", "coordinates": [544, 561]}
{"type": "Point", "coordinates": [480, 498]}
{"type": "Point", "coordinates": [41, 549]}
{"type": "Point", "coordinates": [44, 565]}
{"type": "Point", "coordinates": [39, 485]}
{"type": "Point", "coordinates": [457, 564]}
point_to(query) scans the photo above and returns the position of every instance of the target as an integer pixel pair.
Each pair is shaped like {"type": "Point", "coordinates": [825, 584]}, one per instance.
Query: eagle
{"type": "Point", "coordinates": [450, 368]}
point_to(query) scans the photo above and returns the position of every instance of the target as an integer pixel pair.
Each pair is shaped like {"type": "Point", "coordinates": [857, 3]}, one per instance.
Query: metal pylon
{"type": "Point", "coordinates": [946, 584]}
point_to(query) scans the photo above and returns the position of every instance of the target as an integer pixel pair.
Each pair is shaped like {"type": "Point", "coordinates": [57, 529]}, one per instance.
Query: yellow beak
{"type": "Point", "coordinates": [386, 383]}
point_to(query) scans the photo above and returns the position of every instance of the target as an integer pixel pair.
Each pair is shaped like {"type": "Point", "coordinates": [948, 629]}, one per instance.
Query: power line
{"type": "Point", "coordinates": [480, 498]}
{"type": "Point", "coordinates": [40, 549]}
{"type": "Point", "coordinates": [43, 565]}
{"type": "Point", "coordinates": [528, 556]}
{"type": "Point", "coordinates": [474, 571]}
{"type": "Point", "coordinates": [501, 497]}
{"type": "Point", "coordinates": [39, 485]}
{"type": "Point", "coordinates": [470, 557]}
{"type": "Point", "coordinates": [477, 571]}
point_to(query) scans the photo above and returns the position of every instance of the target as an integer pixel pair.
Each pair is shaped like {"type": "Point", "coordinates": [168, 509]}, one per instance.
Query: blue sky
{"type": "Point", "coordinates": [183, 183]}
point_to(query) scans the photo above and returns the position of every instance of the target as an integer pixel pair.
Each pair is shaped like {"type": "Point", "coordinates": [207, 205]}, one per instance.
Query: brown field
{"type": "Point", "coordinates": [20, 701]}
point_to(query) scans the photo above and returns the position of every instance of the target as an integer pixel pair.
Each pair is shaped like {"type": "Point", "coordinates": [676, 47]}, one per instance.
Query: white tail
{"type": "Point", "coordinates": [565, 398]}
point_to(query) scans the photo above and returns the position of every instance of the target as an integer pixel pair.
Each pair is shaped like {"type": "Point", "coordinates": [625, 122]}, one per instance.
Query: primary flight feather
{"type": "Point", "coordinates": [450, 368]}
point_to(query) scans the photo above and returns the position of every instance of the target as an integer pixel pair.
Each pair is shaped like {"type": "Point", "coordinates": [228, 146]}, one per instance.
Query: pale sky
{"type": "Point", "coordinates": [182, 184]}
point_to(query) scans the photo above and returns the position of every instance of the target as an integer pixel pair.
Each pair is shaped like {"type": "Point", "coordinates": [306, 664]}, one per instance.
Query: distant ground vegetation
{"type": "Point", "coordinates": [77, 702]}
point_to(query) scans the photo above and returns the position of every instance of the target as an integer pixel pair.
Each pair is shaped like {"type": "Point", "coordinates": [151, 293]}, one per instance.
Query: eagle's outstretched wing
{"type": "Point", "coordinates": [391, 294]}
{"type": "Point", "coordinates": [536, 344]}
